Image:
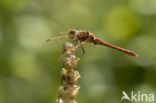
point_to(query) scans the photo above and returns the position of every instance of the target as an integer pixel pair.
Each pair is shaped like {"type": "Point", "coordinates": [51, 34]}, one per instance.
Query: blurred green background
{"type": "Point", "coordinates": [30, 71]}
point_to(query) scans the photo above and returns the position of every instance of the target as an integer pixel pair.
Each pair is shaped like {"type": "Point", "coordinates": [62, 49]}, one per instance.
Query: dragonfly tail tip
{"type": "Point", "coordinates": [137, 55]}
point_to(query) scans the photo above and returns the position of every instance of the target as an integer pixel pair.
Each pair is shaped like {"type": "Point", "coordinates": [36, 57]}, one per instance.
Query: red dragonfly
{"type": "Point", "coordinates": [84, 36]}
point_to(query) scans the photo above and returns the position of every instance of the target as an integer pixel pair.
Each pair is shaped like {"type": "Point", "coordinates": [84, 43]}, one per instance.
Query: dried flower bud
{"type": "Point", "coordinates": [75, 91]}
{"type": "Point", "coordinates": [72, 77]}
{"type": "Point", "coordinates": [70, 62]}
{"type": "Point", "coordinates": [68, 48]}
{"type": "Point", "coordinates": [63, 72]}
{"type": "Point", "coordinates": [59, 100]}
{"type": "Point", "coordinates": [68, 92]}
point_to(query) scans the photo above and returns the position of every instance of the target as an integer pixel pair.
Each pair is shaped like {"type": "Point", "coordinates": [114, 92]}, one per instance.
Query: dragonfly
{"type": "Point", "coordinates": [79, 37]}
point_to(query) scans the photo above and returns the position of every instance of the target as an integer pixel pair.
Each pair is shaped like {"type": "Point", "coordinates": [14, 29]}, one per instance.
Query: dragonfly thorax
{"type": "Point", "coordinates": [82, 35]}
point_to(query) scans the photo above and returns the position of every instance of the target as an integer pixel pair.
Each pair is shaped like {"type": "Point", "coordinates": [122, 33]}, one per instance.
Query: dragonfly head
{"type": "Point", "coordinates": [72, 33]}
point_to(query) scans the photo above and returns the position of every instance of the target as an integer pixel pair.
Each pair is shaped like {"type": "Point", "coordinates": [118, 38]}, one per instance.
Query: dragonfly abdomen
{"type": "Point", "coordinates": [101, 42]}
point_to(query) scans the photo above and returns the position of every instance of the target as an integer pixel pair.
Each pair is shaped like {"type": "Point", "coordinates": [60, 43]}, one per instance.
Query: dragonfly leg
{"type": "Point", "coordinates": [75, 42]}
{"type": "Point", "coordinates": [83, 51]}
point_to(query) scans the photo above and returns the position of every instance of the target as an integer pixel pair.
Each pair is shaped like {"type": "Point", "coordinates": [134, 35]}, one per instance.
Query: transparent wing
{"type": "Point", "coordinates": [55, 43]}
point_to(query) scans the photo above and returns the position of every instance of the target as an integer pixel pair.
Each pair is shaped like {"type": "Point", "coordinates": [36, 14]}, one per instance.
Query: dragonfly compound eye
{"type": "Point", "coordinates": [72, 33]}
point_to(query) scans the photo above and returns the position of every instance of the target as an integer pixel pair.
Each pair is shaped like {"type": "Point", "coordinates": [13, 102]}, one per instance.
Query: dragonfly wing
{"type": "Point", "coordinates": [55, 43]}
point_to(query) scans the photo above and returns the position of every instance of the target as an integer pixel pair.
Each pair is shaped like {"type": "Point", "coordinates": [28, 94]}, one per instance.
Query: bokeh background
{"type": "Point", "coordinates": [30, 71]}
